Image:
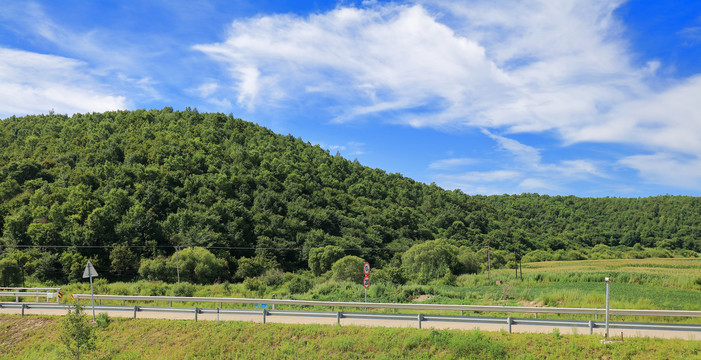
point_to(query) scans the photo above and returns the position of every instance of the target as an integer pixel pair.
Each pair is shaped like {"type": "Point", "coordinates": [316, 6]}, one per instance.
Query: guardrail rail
{"type": "Point", "coordinates": [18, 292]}
{"type": "Point", "coordinates": [338, 315]}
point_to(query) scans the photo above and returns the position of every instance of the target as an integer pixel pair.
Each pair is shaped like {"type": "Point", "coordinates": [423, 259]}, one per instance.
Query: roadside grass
{"type": "Point", "coordinates": [36, 337]}
{"type": "Point", "coordinates": [669, 283]}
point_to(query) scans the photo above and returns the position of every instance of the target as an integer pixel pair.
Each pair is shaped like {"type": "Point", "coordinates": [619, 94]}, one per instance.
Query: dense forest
{"type": "Point", "coordinates": [128, 188]}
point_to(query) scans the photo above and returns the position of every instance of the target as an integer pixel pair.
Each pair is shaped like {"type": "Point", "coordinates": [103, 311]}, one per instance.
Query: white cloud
{"type": "Point", "coordinates": [33, 83]}
{"type": "Point", "coordinates": [450, 164]}
{"type": "Point", "coordinates": [207, 89]}
{"type": "Point", "coordinates": [369, 60]}
{"type": "Point", "coordinates": [667, 168]}
{"type": "Point", "coordinates": [555, 67]}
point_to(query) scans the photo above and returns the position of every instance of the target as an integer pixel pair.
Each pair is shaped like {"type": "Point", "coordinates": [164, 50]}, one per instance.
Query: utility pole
{"type": "Point", "coordinates": [489, 265]}
{"type": "Point", "coordinates": [177, 261]}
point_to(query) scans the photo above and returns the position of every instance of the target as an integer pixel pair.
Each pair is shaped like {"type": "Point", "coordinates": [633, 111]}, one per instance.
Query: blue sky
{"type": "Point", "coordinates": [585, 97]}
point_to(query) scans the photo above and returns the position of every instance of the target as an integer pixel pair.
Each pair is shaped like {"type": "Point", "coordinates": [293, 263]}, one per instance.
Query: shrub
{"type": "Point", "coordinates": [431, 260]}
{"type": "Point", "coordinates": [77, 335]}
{"type": "Point", "coordinates": [251, 267]}
{"type": "Point", "coordinates": [299, 284]}
{"type": "Point", "coordinates": [537, 256]}
{"type": "Point", "coordinates": [349, 268]}
{"type": "Point", "coordinates": [254, 284]}
{"type": "Point", "coordinates": [468, 260]}
{"type": "Point", "coordinates": [321, 259]}
{"type": "Point", "coordinates": [183, 289]}
{"type": "Point", "coordinates": [157, 269]}
{"type": "Point", "coordinates": [389, 274]}
{"type": "Point", "coordinates": [198, 265]}
{"type": "Point", "coordinates": [102, 320]}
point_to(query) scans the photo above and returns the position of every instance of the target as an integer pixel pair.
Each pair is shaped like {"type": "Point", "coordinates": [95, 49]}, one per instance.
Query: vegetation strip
{"type": "Point", "coordinates": [37, 337]}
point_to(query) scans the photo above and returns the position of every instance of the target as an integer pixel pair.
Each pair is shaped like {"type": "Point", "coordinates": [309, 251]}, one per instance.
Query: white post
{"type": "Point", "coordinates": [92, 298]}
{"type": "Point", "coordinates": [608, 281]}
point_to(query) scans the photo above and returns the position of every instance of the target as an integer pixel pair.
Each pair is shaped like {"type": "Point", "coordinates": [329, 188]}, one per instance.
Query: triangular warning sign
{"type": "Point", "coordinates": [89, 271]}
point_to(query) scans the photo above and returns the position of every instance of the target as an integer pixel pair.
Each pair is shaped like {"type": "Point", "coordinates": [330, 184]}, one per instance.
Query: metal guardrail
{"type": "Point", "coordinates": [18, 292]}
{"type": "Point", "coordinates": [420, 307]}
{"type": "Point", "coordinates": [338, 315]}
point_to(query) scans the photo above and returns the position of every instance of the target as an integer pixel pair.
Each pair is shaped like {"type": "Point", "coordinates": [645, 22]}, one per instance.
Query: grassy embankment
{"type": "Point", "coordinates": [637, 283]}
{"type": "Point", "coordinates": [36, 337]}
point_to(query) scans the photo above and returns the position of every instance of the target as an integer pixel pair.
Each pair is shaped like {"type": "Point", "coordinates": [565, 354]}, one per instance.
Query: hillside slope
{"type": "Point", "coordinates": [153, 180]}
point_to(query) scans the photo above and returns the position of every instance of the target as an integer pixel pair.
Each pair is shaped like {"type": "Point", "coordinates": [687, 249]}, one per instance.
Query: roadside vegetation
{"type": "Point", "coordinates": [637, 283]}
{"type": "Point", "coordinates": [37, 337]}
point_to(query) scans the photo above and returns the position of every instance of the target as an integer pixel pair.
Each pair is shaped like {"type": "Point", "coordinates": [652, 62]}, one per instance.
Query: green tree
{"type": "Point", "coordinates": [431, 260]}
{"type": "Point", "coordinates": [251, 267]}
{"type": "Point", "coordinates": [123, 262]}
{"type": "Point", "coordinates": [199, 265]}
{"type": "Point", "coordinates": [349, 268]}
{"type": "Point", "coordinates": [321, 259]}
{"type": "Point", "coordinates": [77, 334]}
{"type": "Point", "coordinates": [10, 274]}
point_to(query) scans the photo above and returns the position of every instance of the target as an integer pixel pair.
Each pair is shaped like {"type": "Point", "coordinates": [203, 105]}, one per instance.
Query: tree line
{"type": "Point", "coordinates": [127, 189]}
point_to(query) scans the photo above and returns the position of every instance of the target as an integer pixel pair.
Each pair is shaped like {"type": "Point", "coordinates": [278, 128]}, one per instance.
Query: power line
{"type": "Point", "coordinates": [173, 246]}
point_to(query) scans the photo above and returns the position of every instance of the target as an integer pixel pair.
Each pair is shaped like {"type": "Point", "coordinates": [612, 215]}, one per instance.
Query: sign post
{"type": "Point", "coordinates": [366, 279]}
{"type": "Point", "coordinates": [608, 281]}
{"type": "Point", "coordinates": [90, 273]}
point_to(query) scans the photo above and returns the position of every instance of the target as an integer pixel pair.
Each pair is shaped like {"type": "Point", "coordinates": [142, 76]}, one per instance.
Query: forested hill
{"type": "Point", "coordinates": [156, 179]}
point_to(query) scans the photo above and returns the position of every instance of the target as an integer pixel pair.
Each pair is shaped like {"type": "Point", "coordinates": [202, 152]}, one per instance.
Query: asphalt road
{"type": "Point", "coordinates": [615, 333]}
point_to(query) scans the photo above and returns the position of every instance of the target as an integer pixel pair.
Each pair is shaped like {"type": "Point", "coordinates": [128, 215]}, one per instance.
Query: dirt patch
{"type": "Point", "coordinates": [421, 298]}
{"type": "Point", "coordinates": [532, 303]}
{"type": "Point", "coordinates": [14, 330]}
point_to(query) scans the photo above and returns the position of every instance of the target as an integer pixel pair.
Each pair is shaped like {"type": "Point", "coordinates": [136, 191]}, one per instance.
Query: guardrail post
{"type": "Point", "coordinates": [136, 308]}
{"type": "Point", "coordinates": [338, 318]}
{"type": "Point", "coordinates": [536, 315]}
{"type": "Point", "coordinates": [332, 306]}
{"type": "Point", "coordinates": [460, 310]}
{"type": "Point", "coordinates": [591, 327]}
{"type": "Point", "coordinates": [23, 305]}
{"type": "Point", "coordinates": [596, 314]}
{"type": "Point", "coordinates": [419, 317]}
{"type": "Point", "coordinates": [38, 298]}
{"type": "Point", "coordinates": [264, 315]}
{"type": "Point", "coordinates": [509, 322]}
{"type": "Point", "coordinates": [197, 310]}
{"type": "Point", "coordinates": [217, 315]}
{"type": "Point", "coordinates": [171, 303]}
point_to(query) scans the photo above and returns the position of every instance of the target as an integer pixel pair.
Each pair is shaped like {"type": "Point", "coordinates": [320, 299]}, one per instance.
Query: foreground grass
{"type": "Point", "coordinates": [37, 337]}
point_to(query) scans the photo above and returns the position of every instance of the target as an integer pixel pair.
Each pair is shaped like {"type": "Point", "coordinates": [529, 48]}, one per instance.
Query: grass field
{"type": "Point", "coordinates": [36, 337]}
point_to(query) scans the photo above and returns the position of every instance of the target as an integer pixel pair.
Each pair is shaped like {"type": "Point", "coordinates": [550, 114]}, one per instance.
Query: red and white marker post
{"type": "Point", "coordinates": [366, 279]}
